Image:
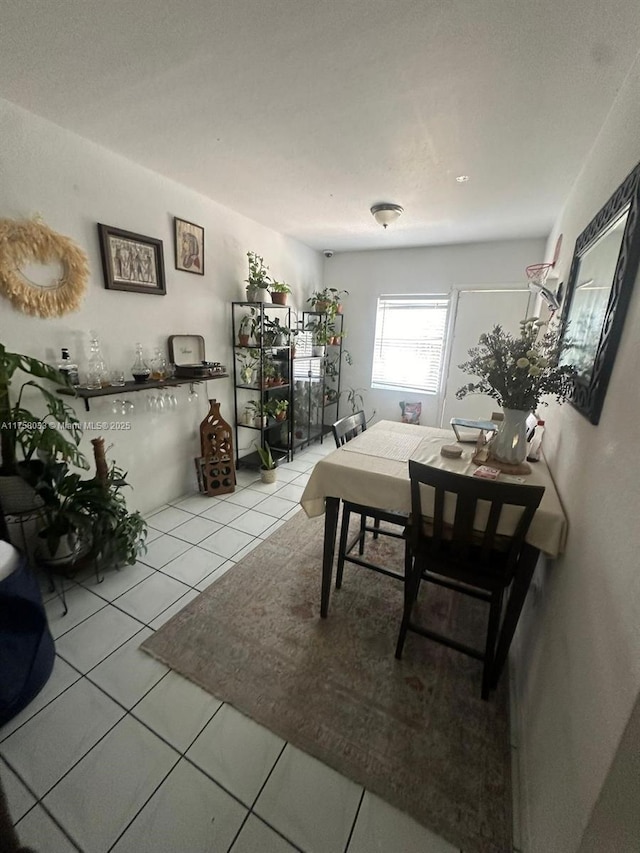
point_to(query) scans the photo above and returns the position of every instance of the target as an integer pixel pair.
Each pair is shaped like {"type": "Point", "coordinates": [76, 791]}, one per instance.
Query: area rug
{"type": "Point", "coordinates": [415, 731]}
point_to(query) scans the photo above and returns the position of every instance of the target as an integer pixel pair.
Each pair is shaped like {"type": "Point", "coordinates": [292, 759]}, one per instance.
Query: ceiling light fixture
{"type": "Point", "coordinates": [386, 213]}
{"type": "Point", "coordinates": [462, 179]}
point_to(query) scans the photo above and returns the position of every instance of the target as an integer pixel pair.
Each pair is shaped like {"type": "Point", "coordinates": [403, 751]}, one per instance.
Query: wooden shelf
{"type": "Point", "coordinates": [87, 394]}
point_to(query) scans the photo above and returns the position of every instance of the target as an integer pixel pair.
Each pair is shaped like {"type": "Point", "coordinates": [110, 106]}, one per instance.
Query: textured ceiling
{"type": "Point", "coordinates": [301, 114]}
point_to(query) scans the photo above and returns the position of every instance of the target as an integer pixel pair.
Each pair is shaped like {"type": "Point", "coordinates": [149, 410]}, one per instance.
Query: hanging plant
{"type": "Point", "coordinates": [31, 241]}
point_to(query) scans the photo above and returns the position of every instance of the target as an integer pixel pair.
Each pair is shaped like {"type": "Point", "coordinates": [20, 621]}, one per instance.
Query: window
{"type": "Point", "coordinates": [409, 342]}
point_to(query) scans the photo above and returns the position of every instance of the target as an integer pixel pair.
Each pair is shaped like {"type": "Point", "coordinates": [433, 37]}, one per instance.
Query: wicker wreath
{"type": "Point", "coordinates": [23, 242]}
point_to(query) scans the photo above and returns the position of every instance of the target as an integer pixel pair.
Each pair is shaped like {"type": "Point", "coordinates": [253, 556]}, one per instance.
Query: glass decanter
{"type": "Point", "coordinates": [97, 373]}
{"type": "Point", "coordinates": [159, 368]}
{"type": "Point", "coordinates": [140, 370]}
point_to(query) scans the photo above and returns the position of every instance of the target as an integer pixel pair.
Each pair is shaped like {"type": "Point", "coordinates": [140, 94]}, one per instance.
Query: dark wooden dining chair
{"type": "Point", "coordinates": [477, 562]}
{"type": "Point", "coordinates": [343, 431]}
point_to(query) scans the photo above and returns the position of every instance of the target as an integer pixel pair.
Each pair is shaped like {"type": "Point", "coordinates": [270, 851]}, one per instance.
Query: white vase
{"type": "Point", "coordinates": [509, 444]}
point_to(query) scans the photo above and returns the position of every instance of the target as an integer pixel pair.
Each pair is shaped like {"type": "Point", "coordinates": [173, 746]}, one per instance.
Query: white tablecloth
{"type": "Point", "coordinates": [372, 470]}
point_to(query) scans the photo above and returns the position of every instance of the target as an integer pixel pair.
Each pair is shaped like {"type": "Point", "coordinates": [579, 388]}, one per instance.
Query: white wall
{"type": "Point", "coordinates": [74, 184]}
{"type": "Point", "coordinates": [367, 275]}
{"type": "Point", "coordinates": [578, 654]}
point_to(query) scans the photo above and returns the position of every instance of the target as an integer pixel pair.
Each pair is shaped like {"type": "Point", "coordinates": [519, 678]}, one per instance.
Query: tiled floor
{"type": "Point", "coordinates": [119, 753]}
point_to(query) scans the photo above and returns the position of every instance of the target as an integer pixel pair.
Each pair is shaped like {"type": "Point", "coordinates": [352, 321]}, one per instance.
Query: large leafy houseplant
{"type": "Point", "coordinates": [519, 371]}
{"type": "Point", "coordinates": [259, 278]}
{"type": "Point", "coordinates": [87, 517]}
{"type": "Point", "coordinates": [22, 433]}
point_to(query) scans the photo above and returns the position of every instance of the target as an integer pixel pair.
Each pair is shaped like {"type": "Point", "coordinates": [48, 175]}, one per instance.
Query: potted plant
{"type": "Point", "coordinates": [328, 300]}
{"type": "Point", "coordinates": [280, 408]}
{"type": "Point", "coordinates": [247, 328]}
{"type": "Point", "coordinates": [279, 292]}
{"type": "Point", "coordinates": [259, 280]}
{"type": "Point", "coordinates": [268, 466]}
{"type": "Point", "coordinates": [86, 517]}
{"type": "Point", "coordinates": [259, 415]}
{"type": "Point", "coordinates": [24, 435]}
{"type": "Point", "coordinates": [248, 362]}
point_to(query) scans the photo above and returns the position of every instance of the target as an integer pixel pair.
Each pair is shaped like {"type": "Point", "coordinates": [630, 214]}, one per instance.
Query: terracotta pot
{"type": "Point", "coordinates": [322, 307]}
{"type": "Point", "coordinates": [339, 308]}
{"type": "Point", "coordinates": [243, 340]}
{"type": "Point", "coordinates": [281, 416]}
{"type": "Point", "coordinates": [279, 298]}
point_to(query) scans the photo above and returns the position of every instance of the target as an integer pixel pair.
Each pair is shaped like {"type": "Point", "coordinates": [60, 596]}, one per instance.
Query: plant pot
{"type": "Point", "coordinates": [318, 350]}
{"type": "Point", "coordinates": [268, 475]}
{"type": "Point", "coordinates": [247, 375]}
{"type": "Point", "coordinates": [243, 340]}
{"type": "Point", "coordinates": [279, 298]}
{"type": "Point", "coordinates": [17, 496]}
{"type": "Point", "coordinates": [281, 416]}
{"type": "Point", "coordinates": [322, 307]}
{"type": "Point", "coordinates": [260, 421]}
{"type": "Point", "coordinates": [339, 308]}
{"type": "Point", "coordinates": [257, 294]}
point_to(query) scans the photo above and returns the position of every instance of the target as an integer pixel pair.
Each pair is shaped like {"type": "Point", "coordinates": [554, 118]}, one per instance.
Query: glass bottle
{"type": "Point", "coordinates": [158, 366]}
{"type": "Point", "coordinates": [140, 369]}
{"type": "Point", "coordinates": [97, 375]}
{"type": "Point", "coordinates": [68, 368]}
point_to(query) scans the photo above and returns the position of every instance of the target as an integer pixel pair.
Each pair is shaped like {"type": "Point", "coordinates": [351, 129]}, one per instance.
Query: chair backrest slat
{"type": "Point", "coordinates": [468, 492]}
{"type": "Point", "coordinates": [347, 428]}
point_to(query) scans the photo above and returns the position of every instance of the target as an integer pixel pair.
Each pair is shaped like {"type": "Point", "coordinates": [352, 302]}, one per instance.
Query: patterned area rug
{"type": "Point", "coordinates": [415, 731]}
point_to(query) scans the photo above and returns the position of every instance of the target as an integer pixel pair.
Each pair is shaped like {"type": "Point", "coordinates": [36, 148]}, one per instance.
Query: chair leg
{"type": "Point", "coordinates": [492, 638]}
{"type": "Point", "coordinates": [376, 524]}
{"type": "Point", "coordinates": [342, 547]}
{"type": "Point", "coordinates": [363, 533]}
{"type": "Point", "coordinates": [412, 578]}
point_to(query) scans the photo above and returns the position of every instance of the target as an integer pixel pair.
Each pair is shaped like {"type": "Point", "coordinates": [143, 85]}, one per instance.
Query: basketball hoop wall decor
{"type": "Point", "coordinates": [24, 242]}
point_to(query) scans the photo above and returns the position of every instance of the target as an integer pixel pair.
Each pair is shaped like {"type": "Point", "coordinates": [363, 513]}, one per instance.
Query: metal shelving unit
{"type": "Point", "coordinates": [272, 374]}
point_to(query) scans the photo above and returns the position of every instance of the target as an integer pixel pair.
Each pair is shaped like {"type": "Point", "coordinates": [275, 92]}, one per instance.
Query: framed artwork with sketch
{"type": "Point", "coordinates": [131, 261]}
{"type": "Point", "coordinates": [189, 243]}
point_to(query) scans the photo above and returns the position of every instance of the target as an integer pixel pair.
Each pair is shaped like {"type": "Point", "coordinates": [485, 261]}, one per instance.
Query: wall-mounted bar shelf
{"type": "Point", "coordinates": [87, 394]}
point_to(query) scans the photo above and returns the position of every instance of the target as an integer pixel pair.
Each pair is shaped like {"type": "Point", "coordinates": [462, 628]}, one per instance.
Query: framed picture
{"type": "Point", "coordinates": [603, 271]}
{"type": "Point", "coordinates": [189, 242]}
{"type": "Point", "coordinates": [131, 261]}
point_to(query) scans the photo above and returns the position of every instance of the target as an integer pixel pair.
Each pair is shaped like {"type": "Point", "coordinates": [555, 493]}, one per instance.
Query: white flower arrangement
{"type": "Point", "coordinates": [519, 371]}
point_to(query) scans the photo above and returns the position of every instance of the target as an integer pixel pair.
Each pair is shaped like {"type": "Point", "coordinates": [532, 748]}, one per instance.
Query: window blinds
{"type": "Point", "coordinates": [409, 342]}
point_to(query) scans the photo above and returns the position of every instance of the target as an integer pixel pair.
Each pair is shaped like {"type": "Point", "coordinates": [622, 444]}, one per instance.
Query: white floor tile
{"type": "Point", "coordinates": [272, 529]}
{"type": "Point", "coordinates": [246, 476]}
{"type": "Point", "coordinates": [247, 549]}
{"type": "Point", "coordinates": [80, 602]}
{"type": "Point", "coordinates": [61, 677]}
{"type": "Point", "coordinates": [19, 798]}
{"type": "Point", "coordinates": [300, 465]}
{"type": "Point", "coordinates": [194, 565]}
{"type": "Point", "coordinates": [291, 492]}
{"type": "Point", "coordinates": [151, 535]}
{"type": "Point", "coordinates": [301, 480]}
{"type": "Point", "coordinates": [52, 741]}
{"type": "Point", "coordinates": [195, 530]}
{"type": "Point", "coordinates": [97, 800]}
{"type": "Point", "coordinates": [309, 802]}
{"type": "Point", "coordinates": [252, 522]}
{"type": "Point", "coordinates": [225, 512]}
{"type": "Point", "coordinates": [129, 673]}
{"type": "Point", "coordinates": [244, 497]}
{"type": "Point", "coordinates": [380, 828]}
{"type": "Point", "coordinates": [227, 542]}
{"type": "Point", "coordinates": [276, 506]}
{"type": "Point", "coordinates": [168, 518]}
{"type": "Point", "coordinates": [266, 489]}
{"type": "Point", "coordinates": [196, 503]}
{"type": "Point", "coordinates": [149, 598]}
{"type": "Point", "coordinates": [187, 813]}
{"type": "Point", "coordinates": [236, 752]}
{"type": "Point", "coordinates": [163, 550]}
{"type": "Point", "coordinates": [91, 641]}
{"type": "Point", "coordinates": [257, 837]}
{"type": "Point", "coordinates": [286, 474]}
{"type": "Point", "coordinates": [38, 831]}
{"type": "Point", "coordinates": [116, 581]}
{"type": "Point", "coordinates": [176, 607]}
{"type": "Point", "coordinates": [177, 710]}
{"type": "Point", "coordinates": [214, 576]}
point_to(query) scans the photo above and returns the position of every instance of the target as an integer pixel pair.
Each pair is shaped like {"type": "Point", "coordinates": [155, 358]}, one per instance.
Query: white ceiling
{"type": "Point", "coordinates": [301, 114]}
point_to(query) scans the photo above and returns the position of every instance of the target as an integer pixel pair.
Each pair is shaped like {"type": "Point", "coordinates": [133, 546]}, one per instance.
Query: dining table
{"type": "Point", "coordinates": [372, 470]}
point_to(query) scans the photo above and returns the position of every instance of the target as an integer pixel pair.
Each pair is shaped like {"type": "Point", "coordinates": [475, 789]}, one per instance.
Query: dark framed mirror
{"type": "Point", "coordinates": [603, 271]}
